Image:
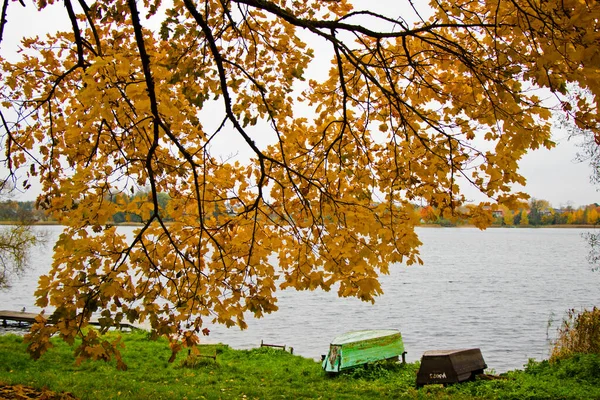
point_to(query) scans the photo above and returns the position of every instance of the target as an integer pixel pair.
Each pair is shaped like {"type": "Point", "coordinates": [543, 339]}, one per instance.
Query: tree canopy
{"type": "Point", "coordinates": [412, 107]}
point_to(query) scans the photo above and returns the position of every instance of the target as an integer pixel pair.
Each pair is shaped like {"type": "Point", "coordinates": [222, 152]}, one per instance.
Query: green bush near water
{"type": "Point", "coordinates": [266, 373]}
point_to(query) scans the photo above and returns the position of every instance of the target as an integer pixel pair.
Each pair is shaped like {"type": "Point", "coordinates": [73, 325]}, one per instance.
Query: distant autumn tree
{"type": "Point", "coordinates": [15, 246]}
{"type": "Point", "coordinates": [509, 217]}
{"type": "Point", "coordinates": [410, 111]}
{"type": "Point", "coordinates": [524, 220]}
{"type": "Point", "coordinates": [16, 242]}
{"type": "Point", "coordinates": [537, 209]}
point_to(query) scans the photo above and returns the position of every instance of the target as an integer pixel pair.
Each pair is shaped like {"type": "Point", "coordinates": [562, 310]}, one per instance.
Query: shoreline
{"type": "Point", "coordinates": [557, 226]}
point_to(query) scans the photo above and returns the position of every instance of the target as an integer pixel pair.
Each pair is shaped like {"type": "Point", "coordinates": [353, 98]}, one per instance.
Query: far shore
{"type": "Point", "coordinates": [558, 226]}
{"type": "Point", "coordinates": [568, 226]}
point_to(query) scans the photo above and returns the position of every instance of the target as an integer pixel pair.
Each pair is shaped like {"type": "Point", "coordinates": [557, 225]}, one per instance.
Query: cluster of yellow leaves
{"type": "Point", "coordinates": [404, 116]}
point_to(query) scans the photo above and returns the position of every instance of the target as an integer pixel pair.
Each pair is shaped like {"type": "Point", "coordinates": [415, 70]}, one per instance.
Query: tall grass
{"type": "Point", "coordinates": [578, 334]}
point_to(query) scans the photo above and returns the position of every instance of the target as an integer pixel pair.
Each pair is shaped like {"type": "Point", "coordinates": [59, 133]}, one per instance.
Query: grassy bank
{"type": "Point", "coordinates": [270, 374]}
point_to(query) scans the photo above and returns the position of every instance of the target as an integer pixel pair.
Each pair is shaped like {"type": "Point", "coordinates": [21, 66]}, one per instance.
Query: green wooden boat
{"type": "Point", "coordinates": [360, 347]}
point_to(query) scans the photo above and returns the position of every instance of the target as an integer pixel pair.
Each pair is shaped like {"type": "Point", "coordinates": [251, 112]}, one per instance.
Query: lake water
{"type": "Point", "coordinates": [496, 290]}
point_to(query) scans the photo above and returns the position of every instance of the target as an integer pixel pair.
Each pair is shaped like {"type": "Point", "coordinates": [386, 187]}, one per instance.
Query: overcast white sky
{"type": "Point", "coordinates": [551, 175]}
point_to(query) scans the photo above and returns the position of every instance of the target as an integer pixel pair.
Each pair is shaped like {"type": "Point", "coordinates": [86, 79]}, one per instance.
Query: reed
{"type": "Point", "coordinates": [579, 333]}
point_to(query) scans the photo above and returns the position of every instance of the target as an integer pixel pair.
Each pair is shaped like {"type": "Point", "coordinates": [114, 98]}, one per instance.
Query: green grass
{"type": "Point", "coordinates": [268, 373]}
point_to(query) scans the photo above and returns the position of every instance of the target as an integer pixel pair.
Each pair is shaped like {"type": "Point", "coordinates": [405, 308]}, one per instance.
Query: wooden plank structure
{"type": "Point", "coordinates": [360, 347]}
{"type": "Point", "coordinates": [450, 366]}
{"type": "Point", "coordinates": [213, 356]}
{"type": "Point", "coordinates": [17, 316]}
{"type": "Point", "coordinates": [28, 318]}
{"type": "Point", "coordinates": [276, 346]}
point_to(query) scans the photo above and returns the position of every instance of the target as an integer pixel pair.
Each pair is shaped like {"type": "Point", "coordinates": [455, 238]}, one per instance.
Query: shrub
{"type": "Point", "coordinates": [579, 333]}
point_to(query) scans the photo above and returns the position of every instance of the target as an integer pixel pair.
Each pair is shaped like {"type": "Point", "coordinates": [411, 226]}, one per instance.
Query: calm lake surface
{"type": "Point", "coordinates": [497, 290]}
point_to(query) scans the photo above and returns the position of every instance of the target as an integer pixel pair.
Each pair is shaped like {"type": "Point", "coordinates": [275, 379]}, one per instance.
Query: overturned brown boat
{"type": "Point", "coordinates": [450, 366]}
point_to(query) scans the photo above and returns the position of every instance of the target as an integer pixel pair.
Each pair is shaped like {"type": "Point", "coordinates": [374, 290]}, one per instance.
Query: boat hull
{"type": "Point", "coordinates": [360, 347]}
{"type": "Point", "coordinates": [450, 366]}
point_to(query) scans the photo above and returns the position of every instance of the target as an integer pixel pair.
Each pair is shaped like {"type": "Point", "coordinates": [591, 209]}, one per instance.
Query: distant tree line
{"type": "Point", "coordinates": [26, 211]}
{"type": "Point", "coordinates": [534, 213]}
{"type": "Point", "coordinates": [21, 211]}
